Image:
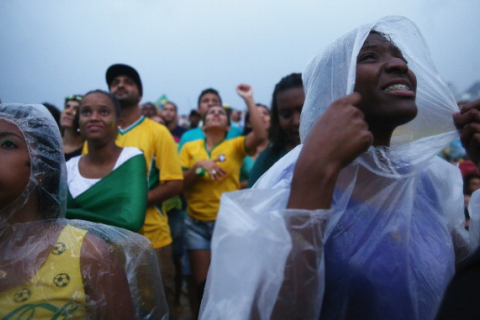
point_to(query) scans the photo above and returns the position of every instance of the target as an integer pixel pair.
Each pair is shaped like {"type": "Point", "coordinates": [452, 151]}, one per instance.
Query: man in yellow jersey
{"type": "Point", "coordinates": [163, 164]}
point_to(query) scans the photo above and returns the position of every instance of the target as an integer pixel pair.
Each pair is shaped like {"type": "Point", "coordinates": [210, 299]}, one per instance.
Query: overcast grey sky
{"type": "Point", "coordinates": [53, 48]}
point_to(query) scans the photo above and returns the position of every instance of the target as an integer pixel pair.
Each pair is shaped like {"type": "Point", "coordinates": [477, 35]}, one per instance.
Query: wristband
{"type": "Point", "coordinates": [200, 171]}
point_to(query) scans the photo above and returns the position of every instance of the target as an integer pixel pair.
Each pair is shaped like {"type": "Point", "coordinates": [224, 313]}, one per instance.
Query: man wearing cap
{"type": "Point", "coordinates": [194, 118]}
{"type": "Point", "coordinates": [163, 164]}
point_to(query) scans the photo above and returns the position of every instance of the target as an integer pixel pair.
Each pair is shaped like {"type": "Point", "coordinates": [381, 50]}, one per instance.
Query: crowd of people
{"type": "Point", "coordinates": [332, 203]}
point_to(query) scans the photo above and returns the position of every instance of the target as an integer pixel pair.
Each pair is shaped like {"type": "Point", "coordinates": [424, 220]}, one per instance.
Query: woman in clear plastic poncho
{"type": "Point", "coordinates": [357, 222]}
{"type": "Point", "coordinates": [51, 267]}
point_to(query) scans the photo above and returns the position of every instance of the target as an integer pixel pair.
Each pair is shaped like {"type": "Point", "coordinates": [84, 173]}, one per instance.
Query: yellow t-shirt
{"type": "Point", "coordinates": [56, 289]}
{"type": "Point", "coordinates": [163, 163]}
{"type": "Point", "coordinates": [203, 197]}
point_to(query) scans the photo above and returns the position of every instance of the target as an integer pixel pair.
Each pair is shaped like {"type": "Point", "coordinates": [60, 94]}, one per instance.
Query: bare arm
{"type": "Point", "coordinates": [209, 166]}
{"type": "Point", "coordinates": [106, 286]}
{"type": "Point", "coordinates": [164, 191]}
{"type": "Point", "coordinates": [341, 134]}
{"type": "Point", "coordinates": [190, 177]}
{"type": "Point", "coordinates": [258, 134]}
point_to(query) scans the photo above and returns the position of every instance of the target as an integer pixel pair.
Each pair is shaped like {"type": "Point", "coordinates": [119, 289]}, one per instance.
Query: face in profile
{"type": "Point", "coordinates": [97, 117]}
{"type": "Point", "coordinates": [474, 184]}
{"type": "Point", "coordinates": [14, 163]}
{"type": "Point", "coordinates": [265, 114]}
{"type": "Point", "coordinates": [387, 85]}
{"type": "Point", "coordinates": [68, 113]}
{"type": "Point", "coordinates": [290, 104]}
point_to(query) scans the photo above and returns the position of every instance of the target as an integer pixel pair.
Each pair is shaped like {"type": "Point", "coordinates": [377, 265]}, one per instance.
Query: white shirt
{"type": "Point", "coordinates": [77, 184]}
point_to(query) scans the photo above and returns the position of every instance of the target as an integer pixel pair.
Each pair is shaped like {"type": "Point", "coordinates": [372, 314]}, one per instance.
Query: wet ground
{"type": "Point", "coordinates": [183, 311]}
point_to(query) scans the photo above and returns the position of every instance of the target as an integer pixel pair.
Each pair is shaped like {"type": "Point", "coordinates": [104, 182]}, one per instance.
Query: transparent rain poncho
{"type": "Point", "coordinates": [386, 249]}
{"type": "Point", "coordinates": [51, 267]}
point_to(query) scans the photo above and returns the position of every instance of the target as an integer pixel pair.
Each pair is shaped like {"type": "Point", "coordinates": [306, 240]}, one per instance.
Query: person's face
{"type": "Point", "coordinates": [236, 116]}
{"type": "Point", "coordinates": [14, 163]}
{"type": "Point", "coordinates": [149, 110]}
{"type": "Point", "coordinates": [169, 112]}
{"type": "Point", "coordinates": [97, 117]}
{"type": "Point", "coordinates": [194, 120]}
{"type": "Point", "coordinates": [125, 90]}
{"type": "Point", "coordinates": [474, 184]}
{"type": "Point", "coordinates": [290, 104]}
{"type": "Point", "coordinates": [265, 114]}
{"type": "Point", "coordinates": [216, 117]}
{"type": "Point", "coordinates": [386, 84]}
{"type": "Point", "coordinates": [206, 101]}
{"type": "Point", "coordinates": [68, 113]}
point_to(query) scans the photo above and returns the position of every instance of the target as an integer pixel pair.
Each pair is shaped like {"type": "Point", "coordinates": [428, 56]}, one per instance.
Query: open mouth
{"type": "Point", "coordinates": [400, 87]}
{"type": "Point", "coordinates": [94, 127]}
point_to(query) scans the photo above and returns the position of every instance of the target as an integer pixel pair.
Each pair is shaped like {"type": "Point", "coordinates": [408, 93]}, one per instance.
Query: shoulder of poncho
{"type": "Point", "coordinates": [280, 174]}
{"type": "Point", "coordinates": [442, 167]}
{"type": "Point", "coordinates": [444, 175]}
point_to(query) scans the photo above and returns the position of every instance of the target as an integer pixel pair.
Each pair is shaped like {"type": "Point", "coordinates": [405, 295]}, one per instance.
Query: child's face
{"type": "Point", "coordinates": [14, 163]}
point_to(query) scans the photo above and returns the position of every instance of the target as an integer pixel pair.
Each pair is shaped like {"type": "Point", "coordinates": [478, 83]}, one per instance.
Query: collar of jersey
{"type": "Point", "coordinates": [206, 149]}
{"type": "Point", "coordinates": [130, 127]}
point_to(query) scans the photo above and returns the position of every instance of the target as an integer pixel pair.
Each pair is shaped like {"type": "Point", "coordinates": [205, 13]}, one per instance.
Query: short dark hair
{"type": "Point", "coordinates": [194, 113]}
{"type": "Point", "coordinates": [208, 90]}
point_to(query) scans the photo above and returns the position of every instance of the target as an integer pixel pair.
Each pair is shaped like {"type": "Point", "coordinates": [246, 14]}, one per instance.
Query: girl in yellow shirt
{"type": "Point", "coordinates": [211, 167]}
{"type": "Point", "coordinates": [52, 268]}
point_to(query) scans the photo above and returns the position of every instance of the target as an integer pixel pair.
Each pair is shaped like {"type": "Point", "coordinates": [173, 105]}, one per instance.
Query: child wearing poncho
{"type": "Point", "coordinates": [51, 267]}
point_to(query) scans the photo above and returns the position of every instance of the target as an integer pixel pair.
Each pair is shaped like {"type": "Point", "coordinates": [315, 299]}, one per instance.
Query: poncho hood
{"type": "Point", "coordinates": [44, 143]}
{"type": "Point", "coordinates": [331, 75]}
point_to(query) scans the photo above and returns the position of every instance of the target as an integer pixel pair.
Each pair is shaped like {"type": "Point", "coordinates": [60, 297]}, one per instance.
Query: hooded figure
{"type": "Point", "coordinates": [51, 267]}
{"type": "Point", "coordinates": [387, 246]}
